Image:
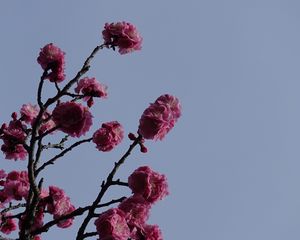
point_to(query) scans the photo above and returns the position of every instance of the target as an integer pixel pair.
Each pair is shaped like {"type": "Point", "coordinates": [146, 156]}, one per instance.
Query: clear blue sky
{"type": "Point", "coordinates": [233, 159]}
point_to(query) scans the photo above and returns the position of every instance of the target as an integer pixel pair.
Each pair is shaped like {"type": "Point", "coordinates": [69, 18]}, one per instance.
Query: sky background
{"type": "Point", "coordinates": [232, 160]}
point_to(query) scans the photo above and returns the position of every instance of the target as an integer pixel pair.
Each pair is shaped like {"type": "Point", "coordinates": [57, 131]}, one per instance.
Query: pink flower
{"type": "Point", "coordinates": [72, 118]}
{"type": "Point", "coordinates": [151, 232]}
{"type": "Point", "coordinates": [15, 187]}
{"type": "Point", "coordinates": [112, 225]}
{"type": "Point", "coordinates": [52, 58]}
{"type": "Point", "coordinates": [29, 112]}
{"type": "Point", "coordinates": [8, 226]}
{"type": "Point", "coordinates": [108, 136]}
{"type": "Point", "coordinates": [50, 124]}
{"type": "Point", "coordinates": [151, 185]}
{"type": "Point", "coordinates": [90, 88]}
{"type": "Point", "coordinates": [136, 210]}
{"type": "Point", "coordinates": [13, 137]}
{"type": "Point", "coordinates": [59, 205]}
{"type": "Point", "coordinates": [123, 35]}
{"type": "Point", "coordinates": [160, 117]}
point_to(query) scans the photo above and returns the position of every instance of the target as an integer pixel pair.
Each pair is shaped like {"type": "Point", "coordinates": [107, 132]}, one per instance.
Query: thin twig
{"type": "Point", "coordinates": [52, 160]}
{"type": "Point", "coordinates": [104, 186]}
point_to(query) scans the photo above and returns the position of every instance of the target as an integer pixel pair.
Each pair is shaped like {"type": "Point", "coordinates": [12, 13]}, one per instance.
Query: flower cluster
{"type": "Point", "coordinates": [90, 88]}
{"type": "Point", "coordinates": [122, 35]}
{"type": "Point", "coordinates": [108, 136]}
{"type": "Point", "coordinates": [160, 117]}
{"type": "Point", "coordinates": [52, 58]}
{"type": "Point", "coordinates": [25, 136]}
{"type": "Point", "coordinates": [15, 187]}
{"type": "Point", "coordinates": [72, 118]}
{"type": "Point", "coordinates": [14, 137]}
{"type": "Point", "coordinates": [129, 219]}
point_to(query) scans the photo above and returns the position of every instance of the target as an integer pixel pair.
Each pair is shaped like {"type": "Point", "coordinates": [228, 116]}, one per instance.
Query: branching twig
{"type": "Point", "coordinates": [104, 186]}
{"type": "Point", "coordinates": [12, 207]}
{"type": "Point", "coordinates": [52, 160]}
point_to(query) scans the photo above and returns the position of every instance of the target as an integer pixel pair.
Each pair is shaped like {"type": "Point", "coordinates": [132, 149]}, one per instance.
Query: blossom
{"type": "Point", "coordinates": [72, 118]}
{"type": "Point", "coordinates": [13, 137]}
{"type": "Point", "coordinates": [160, 117]}
{"type": "Point", "coordinates": [136, 210]}
{"type": "Point", "coordinates": [8, 225]}
{"type": "Point", "coordinates": [90, 88]}
{"type": "Point", "coordinates": [15, 186]}
{"type": "Point", "coordinates": [29, 112]}
{"type": "Point", "coordinates": [52, 58]}
{"type": "Point", "coordinates": [59, 205]}
{"type": "Point", "coordinates": [108, 136]}
{"type": "Point", "coordinates": [50, 124]}
{"type": "Point", "coordinates": [151, 185]}
{"type": "Point", "coordinates": [112, 225]}
{"type": "Point", "coordinates": [151, 232]}
{"type": "Point", "coordinates": [122, 35]}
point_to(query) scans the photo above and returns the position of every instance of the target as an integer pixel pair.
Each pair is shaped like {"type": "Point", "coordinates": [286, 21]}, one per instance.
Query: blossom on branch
{"type": "Point", "coordinates": [111, 225]}
{"type": "Point", "coordinates": [151, 185]}
{"type": "Point", "coordinates": [59, 205]}
{"type": "Point", "coordinates": [108, 136]}
{"type": "Point", "coordinates": [29, 112]}
{"type": "Point", "coordinates": [72, 118]}
{"type": "Point", "coordinates": [90, 88]}
{"type": "Point", "coordinates": [122, 35]}
{"type": "Point", "coordinates": [52, 58]}
{"type": "Point", "coordinates": [15, 187]}
{"type": "Point", "coordinates": [13, 137]}
{"type": "Point", "coordinates": [160, 117]}
{"type": "Point", "coordinates": [136, 210]}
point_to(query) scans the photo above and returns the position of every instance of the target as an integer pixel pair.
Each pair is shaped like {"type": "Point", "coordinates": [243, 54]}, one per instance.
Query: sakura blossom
{"type": "Point", "coordinates": [90, 88]}
{"type": "Point", "coordinates": [151, 185]}
{"type": "Point", "coordinates": [52, 58]}
{"type": "Point", "coordinates": [72, 118]}
{"type": "Point", "coordinates": [160, 117]}
{"type": "Point", "coordinates": [29, 112]}
{"type": "Point", "coordinates": [108, 136]}
{"type": "Point", "coordinates": [123, 35]}
{"type": "Point", "coordinates": [112, 225]}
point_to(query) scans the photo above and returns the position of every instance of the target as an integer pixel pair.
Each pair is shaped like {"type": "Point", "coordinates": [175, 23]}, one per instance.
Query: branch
{"type": "Point", "coordinates": [118, 182]}
{"type": "Point", "coordinates": [90, 234]}
{"type": "Point", "coordinates": [83, 70]}
{"type": "Point", "coordinates": [111, 202]}
{"type": "Point", "coordinates": [12, 207]}
{"type": "Point", "coordinates": [52, 160]}
{"type": "Point", "coordinates": [105, 185]}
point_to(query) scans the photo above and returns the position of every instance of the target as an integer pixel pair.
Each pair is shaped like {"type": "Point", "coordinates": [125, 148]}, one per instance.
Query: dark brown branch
{"type": "Point", "coordinates": [118, 182]}
{"type": "Point", "coordinates": [89, 234]}
{"type": "Point", "coordinates": [111, 202]}
{"type": "Point", "coordinates": [83, 70]}
{"type": "Point", "coordinates": [104, 186]}
{"type": "Point", "coordinates": [52, 160]}
{"type": "Point", "coordinates": [12, 207]}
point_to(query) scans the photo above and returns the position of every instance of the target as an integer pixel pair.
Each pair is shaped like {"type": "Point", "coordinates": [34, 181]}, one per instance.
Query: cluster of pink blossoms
{"type": "Point", "coordinates": [15, 187]}
{"type": "Point", "coordinates": [108, 136]}
{"type": "Point", "coordinates": [52, 58]}
{"type": "Point", "coordinates": [160, 117]}
{"type": "Point", "coordinates": [129, 219]}
{"type": "Point", "coordinates": [90, 88]}
{"type": "Point", "coordinates": [122, 35]}
{"type": "Point", "coordinates": [72, 118]}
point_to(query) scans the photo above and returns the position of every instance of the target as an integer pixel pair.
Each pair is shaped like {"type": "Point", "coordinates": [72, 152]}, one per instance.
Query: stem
{"type": "Point", "coordinates": [82, 71]}
{"type": "Point", "coordinates": [105, 185]}
{"type": "Point", "coordinates": [52, 160]}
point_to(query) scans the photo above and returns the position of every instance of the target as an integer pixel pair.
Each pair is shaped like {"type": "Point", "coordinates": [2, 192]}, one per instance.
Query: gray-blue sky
{"type": "Point", "coordinates": [233, 158]}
